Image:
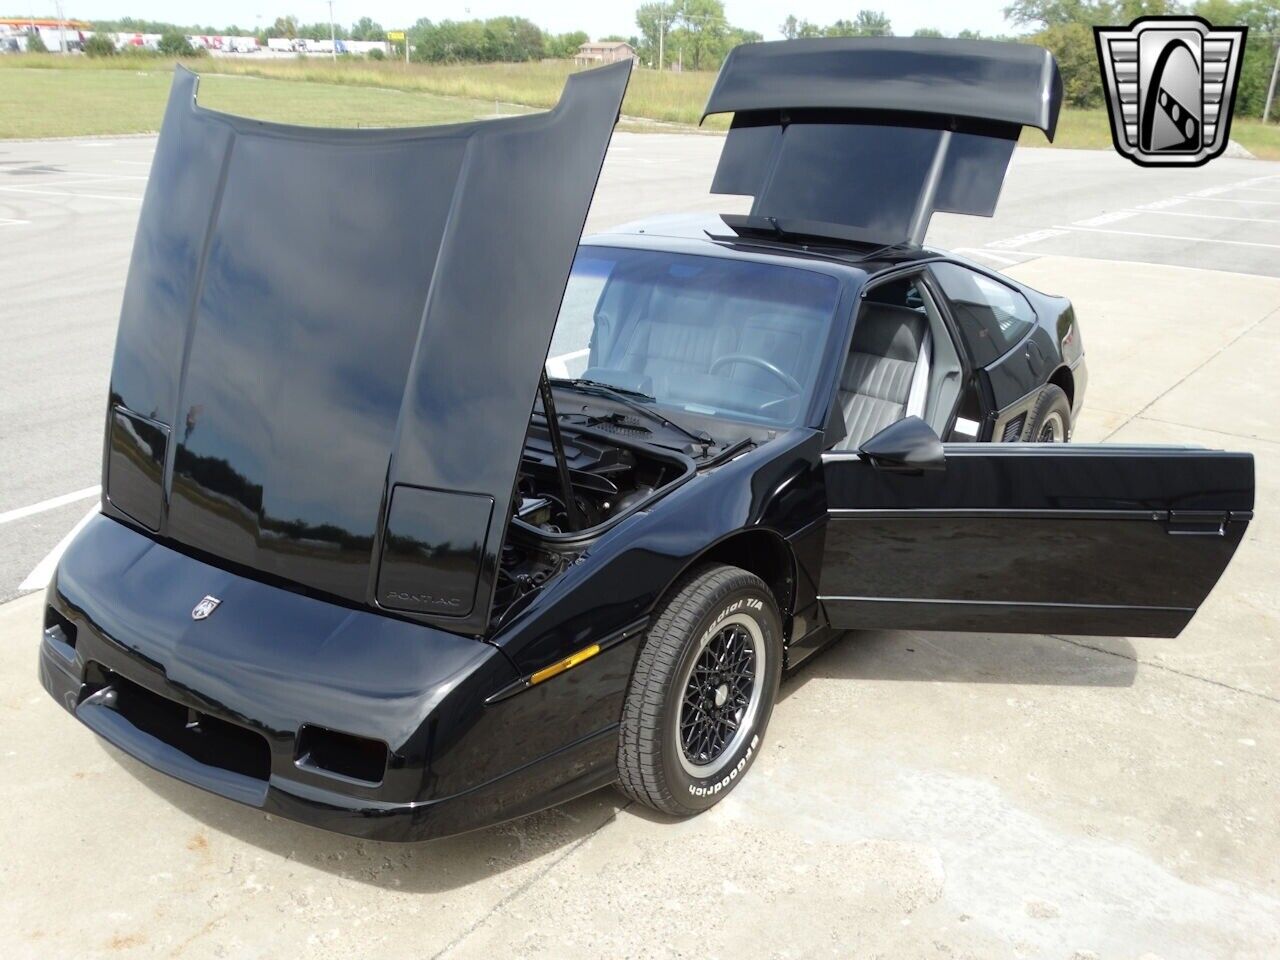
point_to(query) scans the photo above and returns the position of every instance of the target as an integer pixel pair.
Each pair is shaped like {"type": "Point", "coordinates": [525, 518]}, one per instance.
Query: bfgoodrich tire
{"type": "Point", "coordinates": [1050, 419]}
{"type": "Point", "coordinates": [703, 689]}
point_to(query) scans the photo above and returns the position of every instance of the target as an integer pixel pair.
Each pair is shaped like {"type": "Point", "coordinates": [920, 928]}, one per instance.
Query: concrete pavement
{"type": "Point", "coordinates": [944, 795]}
{"type": "Point", "coordinates": [918, 795]}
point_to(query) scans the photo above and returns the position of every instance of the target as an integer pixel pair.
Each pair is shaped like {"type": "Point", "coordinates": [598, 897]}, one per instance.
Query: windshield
{"type": "Point", "coordinates": [709, 335]}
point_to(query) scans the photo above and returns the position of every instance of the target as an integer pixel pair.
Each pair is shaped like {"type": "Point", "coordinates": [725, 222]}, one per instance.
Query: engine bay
{"type": "Point", "coordinates": [610, 477]}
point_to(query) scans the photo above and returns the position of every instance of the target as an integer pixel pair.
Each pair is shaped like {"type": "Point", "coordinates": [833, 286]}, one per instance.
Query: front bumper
{"type": "Point", "coordinates": [220, 703]}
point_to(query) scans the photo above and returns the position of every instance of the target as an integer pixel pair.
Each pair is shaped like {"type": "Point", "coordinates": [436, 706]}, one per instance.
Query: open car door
{"type": "Point", "coordinates": [1099, 539]}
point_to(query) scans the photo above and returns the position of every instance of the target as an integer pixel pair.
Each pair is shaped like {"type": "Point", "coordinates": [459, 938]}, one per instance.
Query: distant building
{"type": "Point", "coordinates": [604, 51]}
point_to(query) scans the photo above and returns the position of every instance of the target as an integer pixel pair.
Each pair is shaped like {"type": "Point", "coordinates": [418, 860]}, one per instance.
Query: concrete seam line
{"type": "Point", "coordinates": [1160, 666]}
{"type": "Point", "coordinates": [51, 504]}
{"type": "Point", "coordinates": [1221, 433]}
{"type": "Point", "coordinates": [1190, 373]}
{"type": "Point", "coordinates": [573, 848]}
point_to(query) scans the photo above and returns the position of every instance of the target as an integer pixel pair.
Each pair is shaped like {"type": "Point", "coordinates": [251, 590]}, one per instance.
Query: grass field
{"type": "Point", "coordinates": [55, 103]}
{"type": "Point", "coordinates": [127, 94]}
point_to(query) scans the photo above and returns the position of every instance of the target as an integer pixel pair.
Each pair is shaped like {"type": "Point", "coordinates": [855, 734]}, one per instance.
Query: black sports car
{"type": "Point", "coordinates": [387, 548]}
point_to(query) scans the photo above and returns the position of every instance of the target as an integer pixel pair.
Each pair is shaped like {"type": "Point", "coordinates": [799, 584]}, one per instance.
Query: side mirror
{"type": "Point", "coordinates": [907, 446]}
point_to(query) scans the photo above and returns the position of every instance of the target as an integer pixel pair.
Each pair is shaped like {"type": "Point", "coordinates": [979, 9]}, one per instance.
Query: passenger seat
{"type": "Point", "coordinates": [886, 377]}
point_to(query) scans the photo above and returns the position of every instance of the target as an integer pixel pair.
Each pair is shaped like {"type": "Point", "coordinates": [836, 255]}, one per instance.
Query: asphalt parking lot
{"type": "Point", "coordinates": [919, 795]}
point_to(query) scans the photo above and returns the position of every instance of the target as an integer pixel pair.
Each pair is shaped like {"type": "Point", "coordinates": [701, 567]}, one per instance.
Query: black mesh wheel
{"type": "Point", "coordinates": [704, 686]}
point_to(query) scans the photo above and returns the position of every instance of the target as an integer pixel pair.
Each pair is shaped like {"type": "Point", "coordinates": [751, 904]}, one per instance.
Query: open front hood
{"type": "Point", "coordinates": [331, 340]}
{"type": "Point", "coordinates": [865, 137]}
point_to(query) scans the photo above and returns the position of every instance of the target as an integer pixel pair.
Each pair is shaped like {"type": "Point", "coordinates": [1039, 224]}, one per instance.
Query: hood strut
{"type": "Point", "coordinates": [571, 511]}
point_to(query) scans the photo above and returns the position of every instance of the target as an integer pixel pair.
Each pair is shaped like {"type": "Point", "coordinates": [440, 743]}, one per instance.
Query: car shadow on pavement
{"type": "Point", "coordinates": [968, 658]}
{"type": "Point", "coordinates": [454, 862]}
{"type": "Point", "coordinates": [432, 867]}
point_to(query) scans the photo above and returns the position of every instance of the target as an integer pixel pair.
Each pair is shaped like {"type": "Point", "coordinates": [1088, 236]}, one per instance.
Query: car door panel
{"type": "Point", "coordinates": [1093, 539]}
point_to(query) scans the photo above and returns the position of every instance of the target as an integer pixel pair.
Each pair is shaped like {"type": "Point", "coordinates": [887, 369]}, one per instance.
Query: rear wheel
{"type": "Point", "coordinates": [1050, 419]}
{"type": "Point", "coordinates": [704, 687]}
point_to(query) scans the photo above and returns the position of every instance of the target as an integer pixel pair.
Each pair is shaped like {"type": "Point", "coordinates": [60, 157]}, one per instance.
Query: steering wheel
{"type": "Point", "coordinates": [792, 383]}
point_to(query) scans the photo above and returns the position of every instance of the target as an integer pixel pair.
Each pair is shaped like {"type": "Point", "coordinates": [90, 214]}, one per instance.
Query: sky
{"type": "Point", "coordinates": [597, 17]}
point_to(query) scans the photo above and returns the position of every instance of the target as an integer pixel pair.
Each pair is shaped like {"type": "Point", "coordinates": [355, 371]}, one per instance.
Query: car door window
{"type": "Point", "coordinates": [992, 316]}
{"type": "Point", "coordinates": [901, 363]}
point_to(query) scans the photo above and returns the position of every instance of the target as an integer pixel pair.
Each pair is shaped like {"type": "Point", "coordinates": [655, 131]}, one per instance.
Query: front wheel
{"type": "Point", "coordinates": [704, 687]}
{"type": "Point", "coordinates": [1050, 419]}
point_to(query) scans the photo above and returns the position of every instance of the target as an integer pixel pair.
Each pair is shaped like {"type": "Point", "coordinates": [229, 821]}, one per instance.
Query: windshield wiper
{"type": "Point", "coordinates": [624, 396]}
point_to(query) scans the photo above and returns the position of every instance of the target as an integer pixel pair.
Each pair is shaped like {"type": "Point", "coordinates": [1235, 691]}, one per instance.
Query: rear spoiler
{"type": "Point", "coordinates": [875, 134]}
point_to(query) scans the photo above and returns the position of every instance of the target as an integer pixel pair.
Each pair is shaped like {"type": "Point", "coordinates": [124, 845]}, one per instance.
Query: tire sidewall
{"type": "Point", "coordinates": [700, 793]}
{"type": "Point", "coordinates": [1052, 403]}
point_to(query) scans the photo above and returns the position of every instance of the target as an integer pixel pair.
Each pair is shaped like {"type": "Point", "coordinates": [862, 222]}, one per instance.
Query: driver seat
{"type": "Point", "coordinates": [886, 377]}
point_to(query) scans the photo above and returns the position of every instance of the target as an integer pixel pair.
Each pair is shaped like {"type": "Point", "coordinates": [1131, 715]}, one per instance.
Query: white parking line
{"type": "Point", "coordinates": [1167, 236]}
{"type": "Point", "coordinates": [28, 191]}
{"type": "Point", "coordinates": [81, 179]}
{"type": "Point", "coordinates": [51, 504]}
{"type": "Point", "coordinates": [1203, 216]}
{"type": "Point", "coordinates": [988, 255]}
{"type": "Point", "coordinates": [1196, 196]}
{"type": "Point", "coordinates": [1025, 238]}
{"type": "Point", "coordinates": [39, 578]}
{"type": "Point", "coordinates": [1225, 187]}
{"type": "Point", "coordinates": [1103, 219]}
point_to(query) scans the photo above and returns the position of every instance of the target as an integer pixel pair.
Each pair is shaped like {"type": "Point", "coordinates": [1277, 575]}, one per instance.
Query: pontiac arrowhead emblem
{"type": "Point", "coordinates": [1170, 85]}
{"type": "Point", "coordinates": [204, 608]}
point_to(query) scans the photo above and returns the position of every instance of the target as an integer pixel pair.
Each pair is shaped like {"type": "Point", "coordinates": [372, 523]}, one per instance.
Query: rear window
{"type": "Point", "coordinates": [992, 316]}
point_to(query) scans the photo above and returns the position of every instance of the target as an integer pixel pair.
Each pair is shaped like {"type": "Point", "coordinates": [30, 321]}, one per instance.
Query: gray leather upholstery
{"type": "Point", "coordinates": [877, 378]}
{"type": "Point", "coordinates": [680, 335]}
{"type": "Point", "coordinates": [675, 349]}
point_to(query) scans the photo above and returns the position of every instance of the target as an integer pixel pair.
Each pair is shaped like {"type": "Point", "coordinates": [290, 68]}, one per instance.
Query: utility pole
{"type": "Point", "coordinates": [1271, 90]}
{"type": "Point", "coordinates": [62, 32]}
{"type": "Point", "coordinates": [662, 34]}
{"type": "Point", "coordinates": [333, 36]}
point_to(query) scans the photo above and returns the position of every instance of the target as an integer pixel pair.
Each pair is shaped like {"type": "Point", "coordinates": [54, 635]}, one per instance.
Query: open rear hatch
{"type": "Point", "coordinates": [331, 342]}
{"type": "Point", "coordinates": [862, 139]}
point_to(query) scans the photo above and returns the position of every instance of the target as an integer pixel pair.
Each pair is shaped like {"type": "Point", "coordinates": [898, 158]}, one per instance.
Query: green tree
{"type": "Point", "coordinates": [651, 20]}
{"type": "Point", "coordinates": [928, 32]}
{"type": "Point", "coordinates": [175, 44]}
{"type": "Point", "coordinates": [35, 44]}
{"type": "Point", "coordinates": [872, 23]}
{"type": "Point", "coordinates": [1053, 12]}
{"type": "Point", "coordinates": [565, 45]}
{"type": "Point", "coordinates": [286, 27]}
{"type": "Point", "coordinates": [1261, 48]}
{"type": "Point", "coordinates": [1072, 44]}
{"type": "Point", "coordinates": [366, 28]}
{"type": "Point", "coordinates": [700, 38]}
{"type": "Point", "coordinates": [99, 45]}
{"type": "Point", "coordinates": [867, 23]}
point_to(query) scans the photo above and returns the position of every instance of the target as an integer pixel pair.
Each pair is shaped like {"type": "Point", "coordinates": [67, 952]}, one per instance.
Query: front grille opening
{"type": "Point", "coordinates": [59, 628]}
{"type": "Point", "coordinates": [205, 739]}
{"type": "Point", "coordinates": [328, 751]}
